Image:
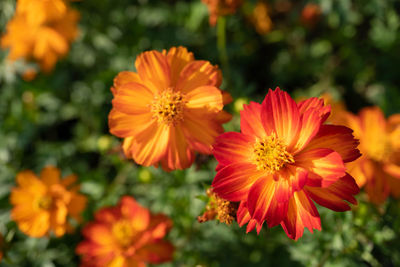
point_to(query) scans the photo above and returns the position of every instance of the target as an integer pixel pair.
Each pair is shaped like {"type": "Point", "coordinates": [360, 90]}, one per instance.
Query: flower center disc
{"type": "Point", "coordinates": [45, 202]}
{"type": "Point", "coordinates": [270, 154]}
{"type": "Point", "coordinates": [168, 106]}
{"type": "Point", "coordinates": [123, 232]}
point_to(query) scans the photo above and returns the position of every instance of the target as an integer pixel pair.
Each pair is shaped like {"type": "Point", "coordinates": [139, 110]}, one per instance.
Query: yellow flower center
{"type": "Point", "coordinates": [168, 106]}
{"type": "Point", "coordinates": [123, 232]}
{"type": "Point", "coordinates": [270, 154]}
{"type": "Point", "coordinates": [379, 150]}
{"type": "Point", "coordinates": [45, 202]}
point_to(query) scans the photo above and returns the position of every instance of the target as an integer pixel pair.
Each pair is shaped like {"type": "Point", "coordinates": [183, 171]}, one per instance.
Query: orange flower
{"type": "Point", "coordinates": [125, 235]}
{"type": "Point", "coordinates": [284, 158]}
{"type": "Point", "coordinates": [260, 18]}
{"type": "Point", "coordinates": [218, 8]}
{"type": "Point", "coordinates": [45, 203]}
{"type": "Point", "coordinates": [41, 30]}
{"type": "Point", "coordinates": [167, 110]}
{"type": "Point", "coordinates": [379, 167]}
{"type": "Point", "coordinates": [338, 109]}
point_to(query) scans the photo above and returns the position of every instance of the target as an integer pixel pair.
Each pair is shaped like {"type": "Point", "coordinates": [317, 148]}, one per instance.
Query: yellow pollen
{"type": "Point", "coordinates": [270, 154]}
{"type": "Point", "coordinates": [45, 202]}
{"type": "Point", "coordinates": [167, 107]}
{"type": "Point", "coordinates": [123, 232]}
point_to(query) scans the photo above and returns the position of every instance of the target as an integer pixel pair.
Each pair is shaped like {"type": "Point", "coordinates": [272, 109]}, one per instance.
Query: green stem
{"type": "Point", "coordinates": [221, 44]}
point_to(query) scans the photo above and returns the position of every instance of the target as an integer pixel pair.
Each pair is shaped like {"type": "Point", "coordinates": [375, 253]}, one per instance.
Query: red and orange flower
{"type": "Point", "coordinates": [170, 108]}
{"type": "Point", "coordinates": [379, 167]}
{"type": "Point", "coordinates": [125, 235]}
{"type": "Point", "coordinates": [45, 204]}
{"type": "Point", "coordinates": [219, 8]}
{"type": "Point", "coordinates": [284, 158]}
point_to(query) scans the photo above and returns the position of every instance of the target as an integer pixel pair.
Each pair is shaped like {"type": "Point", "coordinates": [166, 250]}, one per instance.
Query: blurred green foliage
{"type": "Point", "coordinates": [61, 119]}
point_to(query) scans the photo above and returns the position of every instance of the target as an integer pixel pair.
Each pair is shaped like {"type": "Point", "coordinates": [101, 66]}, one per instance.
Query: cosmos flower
{"type": "Point", "coordinates": [311, 14]}
{"type": "Point", "coordinates": [219, 8]}
{"type": "Point", "coordinates": [284, 158]}
{"type": "Point", "coordinates": [169, 109]}
{"type": "Point", "coordinates": [260, 18]}
{"type": "Point", "coordinates": [47, 203]}
{"type": "Point", "coordinates": [125, 235]}
{"type": "Point", "coordinates": [378, 169]}
{"type": "Point", "coordinates": [41, 30]}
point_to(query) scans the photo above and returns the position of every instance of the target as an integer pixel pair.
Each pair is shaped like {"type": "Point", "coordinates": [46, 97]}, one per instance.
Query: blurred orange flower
{"type": "Point", "coordinates": [44, 204]}
{"type": "Point", "coordinates": [170, 108]}
{"type": "Point", "coordinates": [41, 30]}
{"type": "Point", "coordinates": [125, 235]}
{"type": "Point", "coordinates": [284, 159]}
{"type": "Point", "coordinates": [260, 18]}
{"type": "Point", "coordinates": [218, 8]}
{"type": "Point", "coordinates": [311, 14]}
{"type": "Point", "coordinates": [379, 167]}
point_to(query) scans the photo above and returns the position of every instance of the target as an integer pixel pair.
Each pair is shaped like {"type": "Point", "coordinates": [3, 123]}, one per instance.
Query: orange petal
{"type": "Point", "coordinates": [153, 70]}
{"type": "Point", "coordinates": [205, 97]}
{"type": "Point", "coordinates": [50, 175]}
{"type": "Point", "coordinates": [310, 125]}
{"type": "Point", "coordinates": [234, 181]}
{"type": "Point", "coordinates": [159, 225]}
{"type": "Point", "coordinates": [334, 197]}
{"type": "Point", "coordinates": [133, 99]}
{"type": "Point", "coordinates": [392, 169]}
{"type": "Point", "coordinates": [198, 73]}
{"type": "Point", "coordinates": [99, 234]}
{"type": "Point", "coordinates": [223, 117]}
{"type": "Point", "coordinates": [377, 187]}
{"type": "Point", "coordinates": [27, 178]}
{"type": "Point", "coordinates": [124, 77]}
{"type": "Point", "coordinates": [151, 144]}
{"type": "Point", "coordinates": [279, 114]}
{"type": "Point", "coordinates": [250, 120]}
{"type": "Point", "coordinates": [262, 204]}
{"type": "Point", "coordinates": [77, 205]}
{"type": "Point", "coordinates": [123, 125]}
{"type": "Point", "coordinates": [337, 138]}
{"type": "Point", "coordinates": [157, 252]}
{"type": "Point", "coordinates": [325, 166]}
{"type": "Point", "coordinates": [178, 58]}
{"type": "Point", "coordinates": [36, 226]}
{"type": "Point", "coordinates": [233, 147]}
{"type": "Point", "coordinates": [139, 216]}
{"type": "Point", "coordinates": [301, 214]}
{"type": "Point", "coordinates": [200, 129]}
{"type": "Point", "coordinates": [178, 154]}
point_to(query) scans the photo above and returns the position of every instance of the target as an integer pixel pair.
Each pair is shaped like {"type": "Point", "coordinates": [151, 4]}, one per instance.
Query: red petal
{"type": "Point", "coordinates": [337, 138]}
{"type": "Point", "coordinates": [232, 147]}
{"type": "Point", "coordinates": [335, 196]}
{"type": "Point", "coordinates": [325, 164]}
{"type": "Point", "coordinates": [262, 204]}
{"type": "Point", "coordinates": [310, 125]}
{"type": "Point", "coordinates": [288, 181]}
{"type": "Point", "coordinates": [301, 214]}
{"type": "Point", "coordinates": [250, 120]}
{"type": "Point", "coordinates": [234, 181]}
{"type": "Point", "coordinates": [279, 114]}
{"type": "Point", "coordinates": [317, 103]}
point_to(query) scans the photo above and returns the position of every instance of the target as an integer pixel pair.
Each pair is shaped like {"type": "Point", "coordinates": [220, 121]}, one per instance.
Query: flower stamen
{"type": "Point", "coordinates": [270, 154]}
{"type": "Point", "coordinates": [167, 107]}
